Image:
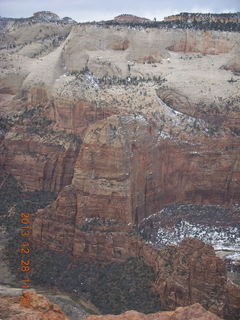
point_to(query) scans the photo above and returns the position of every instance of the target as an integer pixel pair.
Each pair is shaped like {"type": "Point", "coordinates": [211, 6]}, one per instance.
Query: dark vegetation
{"type": "Point", "coordinates": [5, 124]}
{"type": "Point", "coordinates": [14, 201]}
{"type": "Point", "coordinates": [112, 288]}
{"type": "Point", "coordinates": [195, 25]}
{"type": "Point", "coordinates": [111, 81]}
{"type": "Point", "coordinates": [34, 121]}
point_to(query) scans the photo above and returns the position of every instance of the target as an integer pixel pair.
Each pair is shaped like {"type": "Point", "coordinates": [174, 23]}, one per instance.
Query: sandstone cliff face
{"type": "Point", "coordinates": [53, 166]}
{"type": "Point", "coordinates": [129, 18]}
{"type": "Point", "coordinates": [123, 169]}
{"type": "Point", "coordinates": [149, 42]}
{"type": "Point", "coordinates": [139, 153]}
{"type": "Point", "coordinates": [113, 179]}
{"type": "Point", "coordinates": [31, 144]}
{"type": "Point", "coordinates": [190, 273]}
{"type": "Point", "coordinates": [215, 225]}
{"type": "Point", "coordinates": [210, 43]}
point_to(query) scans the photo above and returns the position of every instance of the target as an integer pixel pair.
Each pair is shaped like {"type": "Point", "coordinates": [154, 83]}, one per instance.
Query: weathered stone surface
{"type": "Point", "coordinates": [46, 15]}
{"type": "Point", "coordinates": [195, 311]}
{"type": "Point", "coordinates": [30, 306]}
{"type": "Point", "coordinates": [53, 166]}
{"type": "Point", "coordinates": [122, 173]}
{"type": "Point", "coordinates": [78, 116]}
{"type": "Point", "coordinates": [210, 43]}
{"type": "Point", "coordinates": [123, 170]}
{"type": "Point", "coordinates": [39, 157]}
{"type": "Point", "coordinates": [138, 155]}
{"type": "Point", "coordinates": [129, 18]}
{"type": "Point", "coordinates": [190, 273]}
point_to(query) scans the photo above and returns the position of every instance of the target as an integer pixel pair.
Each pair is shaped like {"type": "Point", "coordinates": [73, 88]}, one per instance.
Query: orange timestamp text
{"type": "Point", "coordinates": [25, 263]}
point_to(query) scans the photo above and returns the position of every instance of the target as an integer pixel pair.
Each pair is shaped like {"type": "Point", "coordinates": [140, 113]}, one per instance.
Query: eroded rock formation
{"type": "Point", "coordinates": [31, 145]}
{"type": "Point", "coordinates": [30, 306]}
{"type": "Point", "coordinates": [195, 311]}
{"type": "Point", "coordinates": [129, 18]}
{"type": "Point", "coordinates": [141, 150]}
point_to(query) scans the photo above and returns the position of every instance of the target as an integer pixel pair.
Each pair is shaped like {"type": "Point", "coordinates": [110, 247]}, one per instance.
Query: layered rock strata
{"type": "Point", "coordinates": [126, 171]}
{"type": "Point", "coordinates": [30, 145]}
{"type": "Point", "coordinates": [185, 274]}
{"type": "Point", "coordinates": [141, 151]}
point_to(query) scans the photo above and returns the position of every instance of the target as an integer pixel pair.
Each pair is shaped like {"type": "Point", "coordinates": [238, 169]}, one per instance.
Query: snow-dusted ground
{"type": "Point", "coordinates": [213, 225]}
{"type": "Point", "coordinates": [221, 238]}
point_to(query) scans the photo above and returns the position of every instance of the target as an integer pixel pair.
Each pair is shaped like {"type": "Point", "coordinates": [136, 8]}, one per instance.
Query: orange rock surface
{"type": "Point", "coordinates": [193, 312]}
{"type": "Point", "coordinates": [30, 306]}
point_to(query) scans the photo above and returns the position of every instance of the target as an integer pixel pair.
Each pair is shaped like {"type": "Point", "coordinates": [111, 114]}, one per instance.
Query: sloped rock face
{"type": "Point", "coordinates": [46, 15]}
{"type": "Point", "coordinates": [195, 311]}
{"type": "Point", "coordinates": [31, 145]}
{"type": "Point", "coordinates": [233, 296]}
{"type": "Point", "coordinates": [105, 170]}
{"type": "Point", "coordinates": [138, 154]}
{"type": "Point", "coordinates": [185, 274]}
{"type": "Point", "coordinates": [189, 273]}
{"type": "Point", "coordinates": [129, 18]}
{"type": "Point", "coordinates": [30, 306]}
{"type": "Point", "coordinates": [209, 44]}
{"type": "Point", "coordinates": [78, 116]}
{"type": "Point", "coordinates": [123, 169]}
{"type": "Point", "coordinates": [53, 166]}
{"type": "Point", "coordinates": [114, 181]}
{"type": "Point", "coordinates": [103, 183]}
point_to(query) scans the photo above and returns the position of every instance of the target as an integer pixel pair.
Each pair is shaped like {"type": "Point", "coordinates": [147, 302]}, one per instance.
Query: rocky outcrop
{"type": "Point", "coordinates": [53, 165]}
{"type": "Point", "coordinates": [139, 153]}
{"type": "Point", "coordinates": [210, 43]}
{"type": "Point", "coordinates": [129, 18]}
{"type": "Point", "coordinates": [205, 17]}
{"type": "Point", "coordinates": [123, 169]}
{"type": "Point", "coordinates": [76, 116]}
{"type": "Point", "coordinates": [46, 16]}
{"type": "Point", "coordinates": [195, 311]}
{"type": "Point", "coordinates": [31, 143]}
{"type": "Point", "coordinates": [30, 306]}
{"type": "Point", "coordinates": [113, 180]}
{"type": "Point", "coordinates": [190, 273]}
{"type": "Point", "coordinates": [139, 45]}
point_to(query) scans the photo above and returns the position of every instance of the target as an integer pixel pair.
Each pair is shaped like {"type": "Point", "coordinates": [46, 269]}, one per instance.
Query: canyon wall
{"type": "Point", "coordinates": [115, 151]}
{"type": "Point", "coordinates": [185, 274]}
